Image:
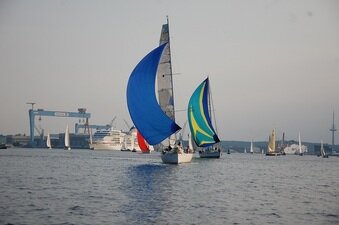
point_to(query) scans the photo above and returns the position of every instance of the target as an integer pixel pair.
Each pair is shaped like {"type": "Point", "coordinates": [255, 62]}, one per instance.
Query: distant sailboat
{"type": "Point", "coordinates": [322, 150]}
{"type": "Point", "coordinates": [67, 140]}
{"type": "Point", "coordinates": [283, 145]}
{"type": "Point", "coordinates": [245, 150]}
{"type": "Point", "coordinates": [300, 151]}
{"type": "Point", "coordinates": [156, 121]}
{"type": "Point", "coordinates": [48, 141]}
{"type": "Point", "coordinates": [271, 150]}
{"type": "Point", "coordinates": [251, 148]}
{"type": "Point", "coordinates": [90, 140]}
{"type": "Point", "coordinates": [200, 123]}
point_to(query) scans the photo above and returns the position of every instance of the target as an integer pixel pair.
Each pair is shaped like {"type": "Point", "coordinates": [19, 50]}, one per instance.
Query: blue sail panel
{"type": "Point", "coordinates": [145, 112]}
{"type": "Point", "coordinates": [199, 118]}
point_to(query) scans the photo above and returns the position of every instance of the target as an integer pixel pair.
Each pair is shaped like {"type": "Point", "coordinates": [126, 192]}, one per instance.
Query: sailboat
{"type": "Point", "coordinates": [90, 140]}
{"type": "Point", "coordinates": [200, 123]}
{"type": "Point", "coordinates": [67, 141]}
{"type": "Point", "coordinates": [48, 141]}
{"type": "Point", "coordinates": [156, 120]}
{"type": "Point", "coordinates": [251, 148]}
{"type": "Point", "coordinates": [144, 147]}
{"type": "Point", "coordinates": [283, 145]}
{"type": "Point", "coordinates": [271, 150]}
{"type": "Point", "coordinates": [322, 150]}
{"type": "Point", "coordinates": [300, 151]}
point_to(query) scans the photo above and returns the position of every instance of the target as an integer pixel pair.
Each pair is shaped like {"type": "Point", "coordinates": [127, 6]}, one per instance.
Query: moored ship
{"type": "Point", "coordinates": [112, 139]}
{"type": "Point", "coordinates": [108, 139]}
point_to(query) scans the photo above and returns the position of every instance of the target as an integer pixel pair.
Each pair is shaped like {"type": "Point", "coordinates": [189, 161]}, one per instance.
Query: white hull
{"type": "Point", "coordinates": [176, 157]}
{"type": "Point", "coordinates": [289, 151]}
{"type": "Point", "coordinates": [209, 154]}
{"type": "Point", "coordinates": [106, 146]}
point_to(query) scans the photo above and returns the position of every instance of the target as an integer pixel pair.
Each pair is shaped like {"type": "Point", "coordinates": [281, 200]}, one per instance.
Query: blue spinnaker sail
{"type": "Point", "coordinates": [199, 117]}
{"type": "Point", "coordinates": [146, 114]}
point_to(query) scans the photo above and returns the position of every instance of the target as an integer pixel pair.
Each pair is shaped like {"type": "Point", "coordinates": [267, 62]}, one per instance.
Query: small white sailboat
{"type": "Point", "coordinates": [67, 140]}
{"type": "Point", "coordinates": [48, 141]}
{"type": "Point", "coordinates": [90, 140]}
{"type": "Point", "coordinates": [322, 150]}
{"type": "Point", "coordinates": [300, 150]}
{"type": "Point", "coordinates": [251, 148]}
{"type": "Point", "coordinates": [245, 150]}
{"type": "Point", "coordinates": [154, 119]}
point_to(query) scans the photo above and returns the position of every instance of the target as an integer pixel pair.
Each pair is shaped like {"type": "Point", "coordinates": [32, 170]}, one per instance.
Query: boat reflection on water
{"type": "Point", "coordinates": [151, 193]}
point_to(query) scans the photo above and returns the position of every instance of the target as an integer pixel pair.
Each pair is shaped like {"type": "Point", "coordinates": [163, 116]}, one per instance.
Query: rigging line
{"type": "Point", "coordinates": [212, 109]}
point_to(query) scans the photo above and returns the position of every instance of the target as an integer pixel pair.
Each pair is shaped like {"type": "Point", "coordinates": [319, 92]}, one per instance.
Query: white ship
{"type": "Point", "coordinates": [294, 149]}
{"type": "Point", "coordinates": [108, 139]}
{"type": "Point", "coordinates": [131, 141]}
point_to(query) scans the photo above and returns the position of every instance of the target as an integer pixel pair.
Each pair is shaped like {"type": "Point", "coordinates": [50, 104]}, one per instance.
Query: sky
{"type": "Point", "coordinates": [271, 63]}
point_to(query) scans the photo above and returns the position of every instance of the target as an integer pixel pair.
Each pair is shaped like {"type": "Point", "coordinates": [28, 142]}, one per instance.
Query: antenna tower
{"type": "Point", "coordinates": [333, 129]}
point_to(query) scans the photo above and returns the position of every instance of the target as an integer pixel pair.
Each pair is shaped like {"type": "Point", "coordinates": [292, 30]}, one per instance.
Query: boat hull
{"type": "Point", "coordinates": [105, 146]}
{"type": "Point", "coordinates": [273, 154]}
{"type": "Point", "coordinates": [176, 157]}
{"type": "Point", "coordinates": [210, 154]}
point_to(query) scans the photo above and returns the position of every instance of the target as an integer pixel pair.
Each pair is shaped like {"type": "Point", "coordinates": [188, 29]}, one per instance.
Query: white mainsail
{"type": "Point", "coordinates": [165, 81]}
{"type": "Point", "coordinates": [67, 141]}
{"type": "Point", "coordinates": [299, 146]}
{"type": "Point", "coordinates": [322, 150]}
{"type": "Point", "coordinates": [48, 141]}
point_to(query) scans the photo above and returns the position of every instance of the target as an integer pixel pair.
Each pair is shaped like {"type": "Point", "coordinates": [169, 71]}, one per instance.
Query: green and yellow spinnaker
{"type": "Point", "coordinates": [199, 118]}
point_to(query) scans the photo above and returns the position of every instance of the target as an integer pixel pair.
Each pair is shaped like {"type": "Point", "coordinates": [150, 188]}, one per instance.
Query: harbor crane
{"type": "Point", "coordinates": [41, 112]}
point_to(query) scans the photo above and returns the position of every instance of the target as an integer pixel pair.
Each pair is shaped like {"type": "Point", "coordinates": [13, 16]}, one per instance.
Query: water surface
{"type": "Point", "coordinates": [107, 187]}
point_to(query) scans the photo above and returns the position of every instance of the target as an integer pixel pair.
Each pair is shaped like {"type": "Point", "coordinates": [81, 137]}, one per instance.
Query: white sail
{"type": "Point", "coordinates": [90, 137]}
{"type": "Point", "coordinates": [299, 146]}
{"type": "Point", "coordinates": [67, 141]}
{"type": "Point", "coordinates": [190, 144]}
{"type": "Point", "coordinates": [48, 141]}
{"type": "Point", "coordinates": [251, 149]}
{"type": "Point", "coordinates": [322, 150]}
{"type": "Point", "coordinates": [165, 81]}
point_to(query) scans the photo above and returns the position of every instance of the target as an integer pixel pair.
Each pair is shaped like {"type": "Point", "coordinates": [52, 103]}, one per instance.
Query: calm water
{"type": "Point", "coordinates": [102, 187]}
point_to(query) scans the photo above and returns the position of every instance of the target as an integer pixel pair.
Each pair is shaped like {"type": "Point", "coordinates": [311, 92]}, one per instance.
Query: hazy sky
{"type": "Point", "coordinates": [272, 64]}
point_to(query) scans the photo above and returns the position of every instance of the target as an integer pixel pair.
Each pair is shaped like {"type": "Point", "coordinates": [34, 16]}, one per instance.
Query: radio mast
{"type": "Point", "coordinates": [333, 129]}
